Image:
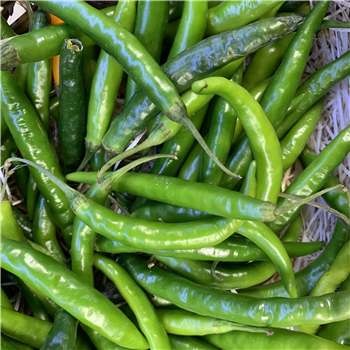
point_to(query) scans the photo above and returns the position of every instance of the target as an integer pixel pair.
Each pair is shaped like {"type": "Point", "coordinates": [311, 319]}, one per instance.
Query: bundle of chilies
{"type": "Point", "coordinates": [214, 87]}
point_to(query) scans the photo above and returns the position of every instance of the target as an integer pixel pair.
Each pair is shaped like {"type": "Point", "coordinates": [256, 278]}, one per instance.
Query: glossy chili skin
{"type": "Point", "coordinates": [57, 283]}
{"type": "Point", "coordinates": [249, 181]}
{"type": "Point", "coordinates": [72, 122]}
{"type": "Point", "coordinates": [314, 88]}
{"type": "Point", "coordinates": [44, 228]}
{"type": "Point", "coordinates": [338, 332]}
{"type": "Point", "coordinates": [293, 232]}
{"type": "Point", "coordinates": [260, 132]}
{"type": "Point", "coordinates": [126, 50]}
{"type": "Point", "coordinates": [232, 14]}
{"type": "Point", "coordinates": [32, 196]}
{"type": "Point", "coordinates": [40, 76]}
{"type": "Point", "coordinates": [306, 278]}
{"type": "Point", "coordinates": [188, 194]}
{"type": "Point", "coordinates": [54, 108]}
{"type": "Point", "coordinates": [144, 311]}
{"type": "Point", "coordinates": [22, 177]}
{"type": "Point", "coordinates": [233, 249]}
{"type": "Point", "coordinates": [328, 282]}
{"type": "Point", "coordinates": [150, 26]}
{"type": "Point", "coordinates": [222, 128]}
{"type": "Point", "coordinates": [294, 142]}
{"type": "Point", "coordinates": [24, 222]}
{"type": "Point", "coordinates": [314, 177]}
{"type": "Point", "coordinates": [335, 198]}
{"type": "Point", "coordinates": [206, 301]}
{"type": "Point", "coordinates": [33, 144]}
{"type": "Point", "coordinates": [105, 85]}
{"type": "Point", "coordinates": [192, 343]}
{"type": "Point", "coordinates": [191, 28]}
{"type": "Point", "coordinates": [6, 31]}
{"type": "Point", "coordinates": [8, 146]}
{"type": "Point", "coordinates": [284, 82]}
{"type": "Point", "coordinates": [280, 339]}
{"type": "Point", "coordinates": [63, 333]}
{"type": "Point", "coordinates": [191, 65]}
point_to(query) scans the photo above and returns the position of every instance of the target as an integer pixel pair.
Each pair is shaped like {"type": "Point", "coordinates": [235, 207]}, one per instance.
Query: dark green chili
{"type": "Point", "coordinates": [54, 108]}
{"type": "Point", "coordinates": [72, 122]}
{"type": "Point", "coordinates": [271, 312]}
{"type": "Point", "coordinates": [24, 222]}
{"type": "Point", "coordinates": [22, 178]}
{"type": "Point", "coordinates": [8, 146]}
{"type": "Point", "coordinates": [32, 196]}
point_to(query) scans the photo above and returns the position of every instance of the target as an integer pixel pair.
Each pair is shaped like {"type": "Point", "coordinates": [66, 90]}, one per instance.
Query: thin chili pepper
{"type": "Point", "coordinates": [271, 312]}
{"type": "Point", "coordinates": [284, 82]}
{"type": "Point", "coordinates": [6, 31]}
{"type": "Point", "coordinates": [336, 199]}
{"type": "Point", "coordinates": [279, 339]}
{"type": "Point", "coordinates": [314, 88]}
{"type": "Point", "coordinates": [40, 76]}
{"type": "Point", "coordinates": [31, 298]}
{"type": "Point", "coordinates": [32, 196]}
{"type": "Point", "coordinates": [89, 59]}
{"type": "Point", "coordinates": [293, 232]}
{"type": "Point", "coordinates": [222, 128]}
{"type": "Point", "coordinates": [44, 273]}
{"type": "Point", "coordinates": [24, 222]}
{"type": "Point", "coordinates": [126, 50]}
{"type": "Point", "coordinates": [186, 194]}
{"type": "Point", "coordinates": [306, 278]}
{"type": "Point", "coordinates": [191, 65]}
{"type": "Point", "coordinates": [183, 322]}
{"type": "Point", "coordinates": [231, 14]}
{"type": "Point", "coordinates": [105, 85]}
{"type": "Point", "coordinates": [31, 140]}
{"type": "Point", "coordinates": [8, 146]}
{"type": "Point", "coordinates": [72, 122]}
{"type": "Point", "coordinates": [21, 75]}
{"type": "Point", "coordinates": [294, 142]}
{"type": "Point", "coordinates": [39, 248]}
{"type": "Point", "coordinates": [249, 182]}
{"type": "Point", "coordinates": [22, 178]}
{"type": "Point", "coordinates": [44, 229]}
{"type": "Point", "coordinates": [314, 176]}
{"type": "Point", "coordinates": [63, 333]}
{"type": "Point", "coordinates": [16, 343]}
{"type": "Point", "coordinates": [175, 9]}
{"type": "Point", "coordinates": [233, 249]}
{"type": "Point", "coordinates": [329, 281]}
{"type": "Point", "coordinates": [181, 343]}
{"type": "Point", "coordinates": [97, 161]}
{"type": "Point", "coordinates": [150, 26]}
{"type": "Point", "coordinates": [191, 28]}
{"type": "Point", "coordinates": [265, 145]}
{"type": "Point", "coordinates": [5, 301]}
{"type": "Point", "coordinates": [145, 313]}
{"type": "Point", "coordinates": [54, 108]}
{"type": "Point", "coordinates": [6, 345]}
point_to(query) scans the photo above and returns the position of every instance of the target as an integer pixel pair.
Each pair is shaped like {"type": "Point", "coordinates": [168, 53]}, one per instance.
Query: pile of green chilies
{"type": "Point", "coordinates": [216, 102]}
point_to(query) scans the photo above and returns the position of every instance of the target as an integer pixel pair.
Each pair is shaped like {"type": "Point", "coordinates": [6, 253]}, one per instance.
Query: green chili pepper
{"type": "Point", "coordinates": [72, 122]}
{"type": "Point", "coordinates": [32, 196]}
{"type": "Point", "coordinates": [31, 139]}
{"type": "Point", "coordinates": [126, 50]}
{"type": "Point", "coordinates": [293, 232]}
{"type": "Point", "coordinates": [105, 85]}
{"type": "Point", "coordinates": [232, 14]}
{"type": "Point", "coordinates": [183, 322]}
{"type": "Point", "coordinates": [182, 343]}
{"type": "Point", "coordinates": [249, 182]}
{"type": "Point", "coordinates": [191, 65]}
{"type": "Point", "coordinates": [22, 178]}
{"type": "Point", "coordinates": [5, 301]}
{"type": "Point", "coordinates": [63, 333]}
{"type": "Point", "coordinates": [175, 9]}
{"type": "Point", "coordinates": [306, 278]}
{"type": "Point", "coordinates": [336, 199]}
{"type": "Point", "coordinates": [314, 177]}
{"type": "Point", "coordinates": [8, 146]}
{"type": "Point", "coordinates": [294, 142]}
{"type": "Point", "coordinates": [146, 315]}
{"type": "Point", "coordinates": [279, 339]}
{"type": "Point", "coordinates": [54, 108]}
{"type": "Point", "coordinates": [16, 343]}
{"type": "Point", "coordinates": [150, 26]}
{"type": "Point", "coordinates": [40, 76]}
{"type": "Point", "coordinates": [264, 144]}
{"type": "Point", "coordinates": [6, 31]}
{"type": "Point", "coordinates": [44, 229]}
{"type": "Point", "coordinates": [284, 83]}
{"type": "Point", "coordinates": [271, 312]}
{"type": "Point", "coordinates": [21, 75]}
{"type": "Point", "coordinates": [191, 28]}
{"type": "Point", "coordinates": [5, 344]}
{"type": "Point", "coordinates": [338, 332]}
{"type": "Point", "coordinates": [329, 281]}
{"type": "Point", "coordinates": [24, 222]}
{"type": "Point", "coordinates": [44, 273]}
{"type": "Point", "coordinates": [233, 249]}
{"type": "Point", "coordinates": [222, 128]}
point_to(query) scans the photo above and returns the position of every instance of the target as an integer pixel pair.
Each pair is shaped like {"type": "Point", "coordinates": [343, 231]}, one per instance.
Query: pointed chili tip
{"type": "Point", "coordinates": [9, 57]}
{"type": "Point", "coordinates": [198, 86]}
